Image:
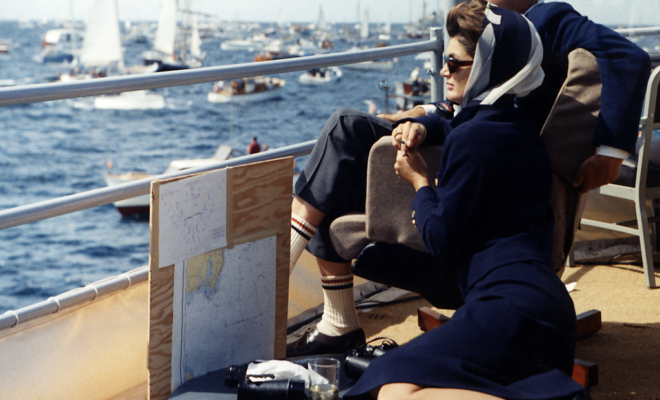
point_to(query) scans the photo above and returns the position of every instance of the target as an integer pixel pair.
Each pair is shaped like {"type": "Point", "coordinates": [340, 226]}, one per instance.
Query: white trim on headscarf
{"type": "Point", "coordinates": [527, 79]}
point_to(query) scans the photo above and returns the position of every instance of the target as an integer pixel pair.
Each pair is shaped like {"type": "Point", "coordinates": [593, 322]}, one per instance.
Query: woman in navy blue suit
{"type": "Point", "coordinates": [489, 224]}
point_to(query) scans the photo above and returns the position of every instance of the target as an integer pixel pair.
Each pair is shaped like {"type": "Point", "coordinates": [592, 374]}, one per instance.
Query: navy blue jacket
{"type": "Point", "coordinates": [624, 68]}
{"type": "Point", "coordinates": [492, 205]}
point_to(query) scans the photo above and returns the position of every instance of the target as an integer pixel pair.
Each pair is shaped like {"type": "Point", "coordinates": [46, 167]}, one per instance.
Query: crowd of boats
{"type": "Point", "coordinates": [96, 50]}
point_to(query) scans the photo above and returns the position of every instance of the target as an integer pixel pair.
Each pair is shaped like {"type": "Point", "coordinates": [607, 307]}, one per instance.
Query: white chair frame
{"type": "Point", "coordinates": [639, 193]}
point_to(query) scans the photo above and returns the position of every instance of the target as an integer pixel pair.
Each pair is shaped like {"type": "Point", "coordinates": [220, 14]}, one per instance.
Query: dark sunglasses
{"type": "Point", "coordinates": [453, 64]}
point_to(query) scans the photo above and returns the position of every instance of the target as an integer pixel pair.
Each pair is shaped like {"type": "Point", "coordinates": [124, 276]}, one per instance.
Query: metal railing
{"type": "Point", "coordinates": [97, 197]}
{"type": "Point", "coordinates": [95, 87]}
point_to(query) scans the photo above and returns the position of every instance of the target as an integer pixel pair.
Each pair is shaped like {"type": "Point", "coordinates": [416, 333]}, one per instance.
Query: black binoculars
{"type": "Point", "coordinates": [357, 361]}
{"type": "Point", "coordinates": [272, 389]}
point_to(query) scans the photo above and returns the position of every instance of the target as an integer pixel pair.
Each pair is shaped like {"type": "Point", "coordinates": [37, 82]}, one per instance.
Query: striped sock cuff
{"type": "Point", "coordinates": [337, 282]}
{"type": "Point", "coordinates": [304, 228]}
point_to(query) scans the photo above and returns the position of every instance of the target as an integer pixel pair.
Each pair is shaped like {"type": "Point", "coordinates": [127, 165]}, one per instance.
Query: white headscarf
{"type": "Point", "coordinates": [507, 58]}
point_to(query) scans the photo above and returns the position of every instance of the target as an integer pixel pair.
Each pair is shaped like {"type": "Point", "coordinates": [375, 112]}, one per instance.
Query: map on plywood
{"type": "Point", "coordinates": [193, 217]}
{"type": "Point", "coordinates": [226, 291]}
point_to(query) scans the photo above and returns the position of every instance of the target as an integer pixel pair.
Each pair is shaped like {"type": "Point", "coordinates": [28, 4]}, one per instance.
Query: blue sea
{"type": "Point", "coordinates": [59, 148]}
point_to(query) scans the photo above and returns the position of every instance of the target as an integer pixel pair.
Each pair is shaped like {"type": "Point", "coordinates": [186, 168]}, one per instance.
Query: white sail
{"type": "Point", "coordinates": [166, 32]}
{"type": "Point", "coordinates": [102, 45]}
{"type": "Point", "coordinates": [320, 22]}
{"type": "Point", "coordinates": [364, 28]}
{"type": "Point", "coordinates": [195, 40]}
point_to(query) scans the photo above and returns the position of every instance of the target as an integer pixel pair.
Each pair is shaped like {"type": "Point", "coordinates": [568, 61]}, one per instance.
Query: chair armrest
{"type": "Point", "coordinates": [388, 214]}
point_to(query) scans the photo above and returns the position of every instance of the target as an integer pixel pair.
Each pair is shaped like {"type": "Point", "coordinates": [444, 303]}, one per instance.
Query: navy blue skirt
{"type": "Point", "coordinates": [513, 338]}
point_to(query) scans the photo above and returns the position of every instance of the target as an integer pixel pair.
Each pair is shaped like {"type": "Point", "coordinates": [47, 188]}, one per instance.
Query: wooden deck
{"type": "Point", "coordinates": [626, 349]}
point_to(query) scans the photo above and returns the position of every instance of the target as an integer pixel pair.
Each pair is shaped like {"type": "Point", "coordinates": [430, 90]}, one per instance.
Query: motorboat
{"type": "Point", "coordinates": [137, 100]}
{"type": "Point", "coordinates": [378, 65]}
{"type": "Point", "coordinates": [5, 46]}
{"type": "Point", "coordinates": [60, 46]}
{"type": "Point", "coordinates": [374, 65]}
{"type": "Point", "coordinates": [412, 92]}
{"type": "Point", "coordinates": [318, 76]}
{"type": "Point", "coordinates": [246, 90]}
{"type": "Point", "coordinates": [140, 205]}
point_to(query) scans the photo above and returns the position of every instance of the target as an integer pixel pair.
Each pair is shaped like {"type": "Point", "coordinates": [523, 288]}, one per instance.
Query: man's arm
{"type": "Point", "coordinates": [412, 113]}
{"type": "Point", "coordinates": [624, 70]}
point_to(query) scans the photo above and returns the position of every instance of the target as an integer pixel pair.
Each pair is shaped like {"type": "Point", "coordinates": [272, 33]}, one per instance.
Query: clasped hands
{"type": "Point", "coordinates": [409, 165]}
{"type": "Point", "coordinates": [596, 171]}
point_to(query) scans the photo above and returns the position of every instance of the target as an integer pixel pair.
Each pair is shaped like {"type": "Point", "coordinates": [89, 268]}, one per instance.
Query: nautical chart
{"type": "Point", "coordinates": [193, 217]}
{"type": "Point", "coordinates": [228, 292]}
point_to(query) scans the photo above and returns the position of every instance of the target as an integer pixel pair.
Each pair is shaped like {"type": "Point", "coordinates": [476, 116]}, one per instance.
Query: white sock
{"type": "Point", "coordinates": [339, 315]}
{"type": "Point", "coordinates": [301, 233]}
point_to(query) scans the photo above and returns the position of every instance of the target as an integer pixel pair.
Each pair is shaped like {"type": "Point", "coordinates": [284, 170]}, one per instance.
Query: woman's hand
{"type": "Point", "coordinates": [411, 133]}
{"type": "Point", "coordinates": [411, 168]}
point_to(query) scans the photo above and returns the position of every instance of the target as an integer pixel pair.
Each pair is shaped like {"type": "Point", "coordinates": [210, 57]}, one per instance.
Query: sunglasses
{"type": "Point", "coordinates": [453, 64]}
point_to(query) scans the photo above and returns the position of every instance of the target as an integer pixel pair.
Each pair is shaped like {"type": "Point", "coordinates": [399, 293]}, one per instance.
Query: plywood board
{"type": "Point", "coordinates": [258, 206]}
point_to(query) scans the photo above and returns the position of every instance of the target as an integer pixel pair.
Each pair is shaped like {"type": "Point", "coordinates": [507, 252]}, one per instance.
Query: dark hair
{"type": "Point", "coordinates": [465, 22]}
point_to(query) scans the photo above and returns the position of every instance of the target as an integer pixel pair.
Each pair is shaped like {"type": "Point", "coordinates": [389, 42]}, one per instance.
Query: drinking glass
{"type": "Point", "coordinates": [323, 379]}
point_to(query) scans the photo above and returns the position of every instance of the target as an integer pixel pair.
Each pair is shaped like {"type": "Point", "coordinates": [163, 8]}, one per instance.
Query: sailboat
{"type": "Point", "coordinates": [103, 54]}
{"type": "Point", "coordinates": [164, 50]}
{"type": "Point", "coordinates": [364, 27]}
{"type": "Point", "coordinates": [102, 43]}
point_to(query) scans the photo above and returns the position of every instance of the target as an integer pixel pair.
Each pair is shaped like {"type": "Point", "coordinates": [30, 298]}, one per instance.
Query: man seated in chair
{"type": "Point", "coordinates": [333, 182]}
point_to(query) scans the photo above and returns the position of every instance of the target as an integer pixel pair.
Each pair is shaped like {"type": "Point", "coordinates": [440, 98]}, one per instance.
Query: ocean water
{"type": "Point", "coordinates": [58, 148]}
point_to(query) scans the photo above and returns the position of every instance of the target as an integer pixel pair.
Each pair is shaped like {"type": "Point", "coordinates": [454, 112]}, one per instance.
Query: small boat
{"type": "Point", "coordinates": [5, 46]}
{"type": "Point", "coordinates": [413, 92]}
{"type": "Point", "coordinates": [375, 65]}
{"type": "Point", "coordinates": [318, 76]}
{"type": "Point", "coordinates": [378, 65]}
{"type": "Point", "coordinates": [246, 90]}
{"type": "Point", "coordinates": [164, 52]}
{"type": "Point", "coordinates": [140, 205]}
{"type": "Point", "coordinates": [54, 55]}
{"type": "Point", "coordinates": [138, 100]}
{"type": "Point", "coordinates": [7, 82]}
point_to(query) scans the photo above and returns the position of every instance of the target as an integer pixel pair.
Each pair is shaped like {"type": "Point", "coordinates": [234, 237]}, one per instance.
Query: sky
{"type": "Point", "coordinates": [337, 11]}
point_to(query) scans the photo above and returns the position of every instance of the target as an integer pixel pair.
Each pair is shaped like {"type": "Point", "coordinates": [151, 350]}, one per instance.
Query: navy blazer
{"type": "Point", "coordinates": [492, 205]}
{"type": "Point", "coordinates": [624, 70]}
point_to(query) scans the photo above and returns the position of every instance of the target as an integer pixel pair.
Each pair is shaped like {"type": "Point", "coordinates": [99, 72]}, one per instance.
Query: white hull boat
{"type": "Point", "coordinates": [140, 205]}
{"type": "Point", "coordinates": [371, 66]}
{"type": "Point", "coordinates": [138, 100]}
{"type": "Point", "coordinates": [320, 76]}
{"type": "Point", "coordinates": [246, 90]}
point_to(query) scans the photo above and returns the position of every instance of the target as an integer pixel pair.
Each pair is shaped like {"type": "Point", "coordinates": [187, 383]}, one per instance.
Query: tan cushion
{"type": "Point", "coordinates": [389, 199]}
{"type": "Point", "coordinates": [568, 137]}
{"type": "Point", "coordinates": [569, 130]}
{"type": "Point", "coordinates": [349, 235]}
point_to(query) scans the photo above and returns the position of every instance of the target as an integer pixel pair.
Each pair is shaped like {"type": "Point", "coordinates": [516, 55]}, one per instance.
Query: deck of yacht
{"type": "Point", "coordinates": [626, 349]}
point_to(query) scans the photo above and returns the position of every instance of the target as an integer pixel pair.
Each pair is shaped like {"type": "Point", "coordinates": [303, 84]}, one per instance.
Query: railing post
{"type": "Point", "coordinates": [436, 65]}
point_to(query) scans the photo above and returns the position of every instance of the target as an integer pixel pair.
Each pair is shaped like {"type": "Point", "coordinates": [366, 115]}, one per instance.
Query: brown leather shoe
{"type": "Point", "coordinates": [314, 342]}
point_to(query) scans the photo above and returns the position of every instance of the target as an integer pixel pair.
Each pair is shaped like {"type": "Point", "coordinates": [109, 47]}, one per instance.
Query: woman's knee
{"type": "Point", "coordinates": [395, 391]}
{"type": "Point", "coordinates": [409, 391]}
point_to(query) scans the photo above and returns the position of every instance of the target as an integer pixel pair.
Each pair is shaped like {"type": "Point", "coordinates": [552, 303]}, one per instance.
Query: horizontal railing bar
{"type": "Point", "coordinates": [97, 197]}
{"type": "Point", "coordinates": [74, 297]}
{"type": "Point", "coordinates": [95, 87]}
{"type": "Point", "coordinates": [627, 32]}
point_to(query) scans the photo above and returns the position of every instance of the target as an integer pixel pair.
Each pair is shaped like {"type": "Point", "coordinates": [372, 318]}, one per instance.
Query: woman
{"type": "Point", "coordinates": [489, 224]}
